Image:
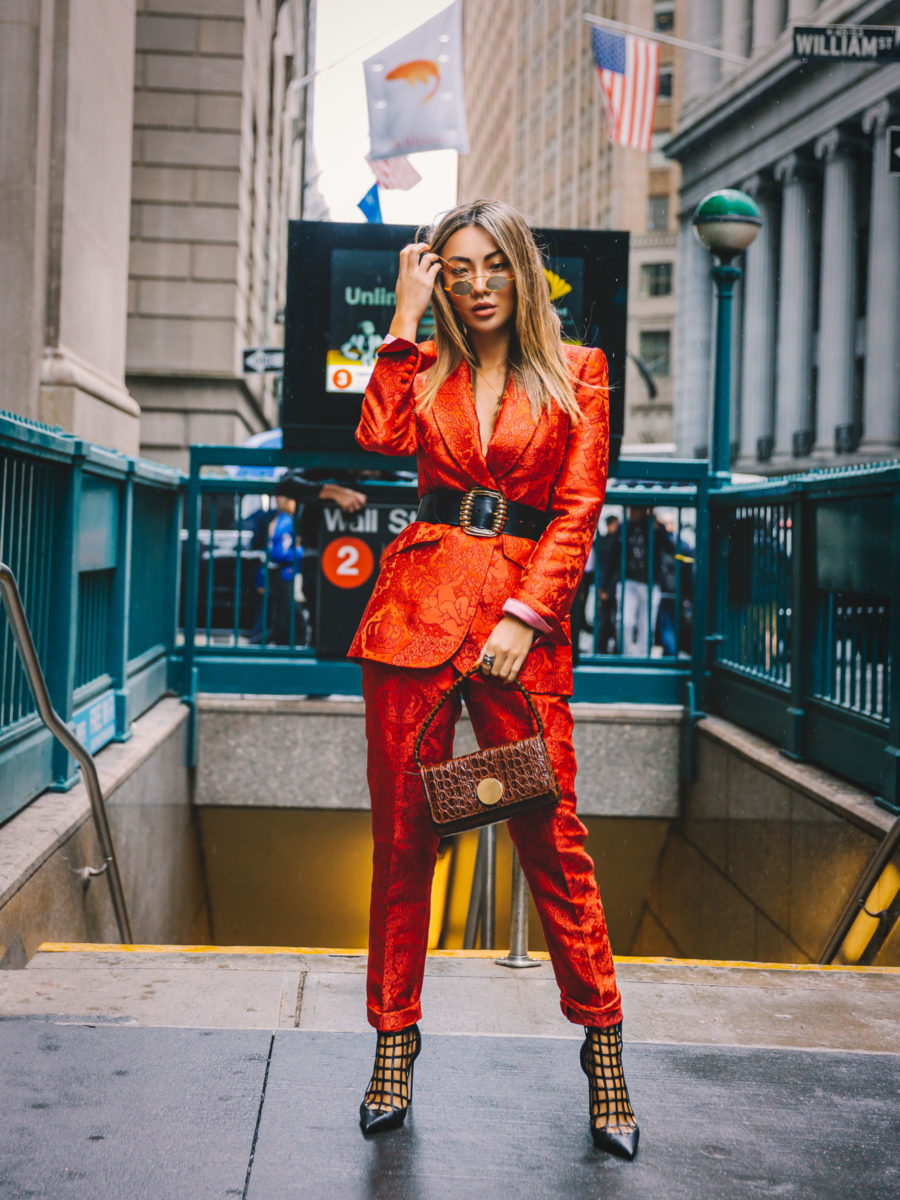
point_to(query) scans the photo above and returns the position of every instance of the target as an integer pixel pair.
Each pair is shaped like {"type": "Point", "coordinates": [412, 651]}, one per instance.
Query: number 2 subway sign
{"type": "Point", "coordinates": [349, 552]}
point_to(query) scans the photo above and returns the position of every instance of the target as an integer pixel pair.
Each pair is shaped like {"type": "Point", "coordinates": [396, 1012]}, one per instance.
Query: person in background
{"type": "Point", "coordinates": [638, 600]}
{"type": "Point", "coordinates": [309, 493]}
{"type": "Point", "coordinates": [606, 604]}
{"type": "Point", "coordinates": [287, 535]}
{"type": "Point", "coordinates": [666, 620]}
{"type": "Point", "coordinates": [283, 563]}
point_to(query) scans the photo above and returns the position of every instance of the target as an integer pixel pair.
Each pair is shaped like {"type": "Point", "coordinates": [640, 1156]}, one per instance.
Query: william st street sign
{"type": "Point", "coordinates": [847, 43]}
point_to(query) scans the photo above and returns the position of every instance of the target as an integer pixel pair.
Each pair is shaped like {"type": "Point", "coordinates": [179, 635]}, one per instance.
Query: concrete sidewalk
{"type": "Point", "coordinates": [133, 1074]}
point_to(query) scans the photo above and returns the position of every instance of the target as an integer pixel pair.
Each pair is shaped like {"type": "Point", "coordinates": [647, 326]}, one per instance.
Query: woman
{"type": "Point", "coordinates": [499, 405]}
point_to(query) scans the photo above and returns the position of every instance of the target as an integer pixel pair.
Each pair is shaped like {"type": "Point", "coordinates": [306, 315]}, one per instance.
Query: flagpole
{"type": "Point", "coordinates": [608, 23]}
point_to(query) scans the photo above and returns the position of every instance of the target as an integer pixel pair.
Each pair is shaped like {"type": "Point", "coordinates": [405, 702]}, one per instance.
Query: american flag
{"type": "Point", "coordinates": [395, 172]}
{"type": "Point", "coordinates": [629, 76]}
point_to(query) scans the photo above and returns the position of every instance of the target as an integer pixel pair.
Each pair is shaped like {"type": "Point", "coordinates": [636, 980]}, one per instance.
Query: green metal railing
{"type": "Point", "coordinates": [92, 537]}
{"type": "Point", "coordinates": [805, 571]}
{"type": "Point", "coordinates": [227, 650]}
{"type": "Point", "coordinates": [770, 605]}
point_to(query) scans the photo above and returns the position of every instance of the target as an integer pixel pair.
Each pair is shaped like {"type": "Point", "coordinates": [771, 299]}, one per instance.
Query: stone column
{"type": "Point", "coordinates": [798, 10]}
{"type": "Point", "coordinates": [793, 389]}
{"type": "Point", "coordinates": [26, 82]}
{"type": "Point", "coordinates": [693, 343]}
{"type": "Point", "coordinates": [837, 303]}
{"type": "Point", "coordinates": [881, 405]}
{"type": "Point", "coordinates": [735, 21]}
{"type": "Point", "coordinates": [766, 24]}
{"type": "Point", "coordinates": [760, 296]}
{"type": "Point", "coordinates": [703, 21]}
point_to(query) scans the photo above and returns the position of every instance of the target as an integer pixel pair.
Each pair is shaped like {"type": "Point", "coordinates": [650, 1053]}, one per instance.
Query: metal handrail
{"type": "Point", "coordinates": [857, 902]}
{"type": "Point", "coordinates": [15, 611]}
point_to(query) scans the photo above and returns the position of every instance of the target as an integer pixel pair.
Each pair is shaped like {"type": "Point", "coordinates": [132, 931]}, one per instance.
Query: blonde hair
{"type": "Point", "coordinates": [536, 358]}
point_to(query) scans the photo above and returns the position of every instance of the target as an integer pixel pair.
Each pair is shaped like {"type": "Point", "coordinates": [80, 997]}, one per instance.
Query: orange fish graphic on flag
{"type": "Point", "coordinates": [415, 93]}
{"type": "Point", "coordinates": [421, 70]}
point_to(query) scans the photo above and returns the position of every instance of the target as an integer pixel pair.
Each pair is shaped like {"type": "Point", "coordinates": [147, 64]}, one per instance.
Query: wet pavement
{"type": "Point", "coordinates": [169, 1075]}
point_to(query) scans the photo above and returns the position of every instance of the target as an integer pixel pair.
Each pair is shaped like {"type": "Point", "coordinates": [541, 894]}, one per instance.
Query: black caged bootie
{"type": "Point", "coordinates": [613, 1126]}
{"type": "Point", "coordinates": [389, 1093]}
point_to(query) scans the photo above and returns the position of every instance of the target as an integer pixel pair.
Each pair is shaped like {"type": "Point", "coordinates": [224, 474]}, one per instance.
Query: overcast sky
{"type": "Point", "coordinates": [341, 121]}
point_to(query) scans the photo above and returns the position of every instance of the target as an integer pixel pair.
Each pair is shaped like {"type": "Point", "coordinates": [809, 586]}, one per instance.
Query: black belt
{"type": "Point", "coordinates": [482, 513]}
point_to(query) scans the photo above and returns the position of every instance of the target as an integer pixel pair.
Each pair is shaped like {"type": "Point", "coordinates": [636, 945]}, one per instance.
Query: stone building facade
{"type": "Point", "coordinates": [538, 139]}
{"type": "Point", "coordinates": [218, 168]}
{"type": "Point", "coordinates": [816, 348]}
{"type": "Point", "coordinates": [190, 115]}
{"type": "Point", "coordinates": [66, 89]}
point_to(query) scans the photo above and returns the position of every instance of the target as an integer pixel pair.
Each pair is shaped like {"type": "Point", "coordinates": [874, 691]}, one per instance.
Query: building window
{"type": "Point", "coordinates": [658, 139]}
{"type": "Point", "coordinates": [658, 213]}
{"type": "Point", "coordinates": [654, 351]}
{"type": "Point", "coordinates": [664, 16]}
{"type": "Point", "coordinates": [664, 90]}
{"type": "Point", "coordinates": [656, 279]}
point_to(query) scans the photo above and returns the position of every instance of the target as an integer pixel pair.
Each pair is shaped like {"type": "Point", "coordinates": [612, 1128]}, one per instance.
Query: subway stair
{"type": "Point", "coordinates": [175, 1071]}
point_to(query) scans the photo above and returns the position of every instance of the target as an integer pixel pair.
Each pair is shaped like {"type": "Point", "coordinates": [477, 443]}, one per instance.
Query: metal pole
{"type": "Point", "coordinates": [489, 912]}
{"type": "Point", "coordinates": [9, 592]}
{"type": "Point", "coordinates": [725, 277]}
{"type": "Point", "coordinates": [476, 897]}
{"type": "Point", "coordinates": [518, 921]}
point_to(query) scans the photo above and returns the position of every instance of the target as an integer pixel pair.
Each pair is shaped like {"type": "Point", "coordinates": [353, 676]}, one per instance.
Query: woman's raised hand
{"type": "Point", "coordinates": [419, 267]}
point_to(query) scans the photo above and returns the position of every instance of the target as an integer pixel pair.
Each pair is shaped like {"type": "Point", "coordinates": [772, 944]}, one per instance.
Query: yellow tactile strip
{"type": "Point", "coordinates": [137, 948]}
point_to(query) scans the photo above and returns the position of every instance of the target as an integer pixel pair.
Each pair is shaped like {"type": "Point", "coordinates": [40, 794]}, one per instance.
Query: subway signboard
{"type": "Point", "coordinates": [340, 302]}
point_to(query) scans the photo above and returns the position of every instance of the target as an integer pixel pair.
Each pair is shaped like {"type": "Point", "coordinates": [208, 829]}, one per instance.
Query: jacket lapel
{"type": "Point", "coordinates": [454, 414]}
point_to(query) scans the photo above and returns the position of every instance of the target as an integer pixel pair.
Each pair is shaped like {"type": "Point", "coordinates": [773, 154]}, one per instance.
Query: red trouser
{"type": "Point", "coordinates": [559, 871]}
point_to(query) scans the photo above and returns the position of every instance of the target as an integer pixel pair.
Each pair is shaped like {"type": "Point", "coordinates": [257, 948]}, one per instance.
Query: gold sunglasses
{"type": "Point", "coordinates": [465, 287]}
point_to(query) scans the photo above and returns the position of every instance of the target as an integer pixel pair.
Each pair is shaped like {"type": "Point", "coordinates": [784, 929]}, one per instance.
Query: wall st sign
{"type": "Point", "coordinates": [847, 43]}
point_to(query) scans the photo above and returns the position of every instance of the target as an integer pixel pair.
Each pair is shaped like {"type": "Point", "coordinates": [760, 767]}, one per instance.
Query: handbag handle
{"type": "Point", "coordinates": [457, 683]}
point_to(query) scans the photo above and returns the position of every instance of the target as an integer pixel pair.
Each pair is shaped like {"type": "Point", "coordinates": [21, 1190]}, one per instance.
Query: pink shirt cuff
{"type": "Point", "coordinates": [402, 343]}
{"type": "Point", "coordinates": [515, 608]}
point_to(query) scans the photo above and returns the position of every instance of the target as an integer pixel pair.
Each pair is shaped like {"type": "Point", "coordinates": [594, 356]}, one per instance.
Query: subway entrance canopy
{"type": "Point", "coordinates": [340, 300]}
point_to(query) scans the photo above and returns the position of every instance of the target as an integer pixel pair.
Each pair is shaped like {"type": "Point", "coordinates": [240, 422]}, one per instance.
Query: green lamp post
{"type": "Point", "coordinates": [726, 222]}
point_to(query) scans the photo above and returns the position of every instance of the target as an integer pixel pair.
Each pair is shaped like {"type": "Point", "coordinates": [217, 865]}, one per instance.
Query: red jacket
{"type": "Point", "coordinates": [441, 591]}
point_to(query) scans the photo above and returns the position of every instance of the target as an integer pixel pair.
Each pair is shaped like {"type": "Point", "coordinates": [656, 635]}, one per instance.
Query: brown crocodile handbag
{"type": "Point", "coordinates": [489, 785]}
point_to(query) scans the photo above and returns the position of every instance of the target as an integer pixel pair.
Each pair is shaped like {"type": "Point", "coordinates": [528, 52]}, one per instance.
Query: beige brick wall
{"type": "Point", "coordinates": [66, 88]}
{"type": "Point", "coordinates": [208, 222]}
{"type": "Point", "coordinates": [538, 139]}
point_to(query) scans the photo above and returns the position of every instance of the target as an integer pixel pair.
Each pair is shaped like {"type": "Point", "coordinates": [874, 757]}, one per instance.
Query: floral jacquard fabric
{"type": "Point", "coordinates": [550, 842]}
{"type": "Point", "coordinates": [441, 591]}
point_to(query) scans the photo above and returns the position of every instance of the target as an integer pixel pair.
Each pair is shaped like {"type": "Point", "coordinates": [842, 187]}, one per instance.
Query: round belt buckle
{"type": "Point", "coordinates": [489, 791]}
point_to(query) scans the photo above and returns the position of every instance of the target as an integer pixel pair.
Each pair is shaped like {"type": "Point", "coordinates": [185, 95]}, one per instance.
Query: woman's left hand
{"type": "Point", "coordinates": [509, 643]}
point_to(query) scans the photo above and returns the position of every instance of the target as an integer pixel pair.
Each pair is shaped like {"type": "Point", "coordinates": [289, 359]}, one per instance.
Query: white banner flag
{"type": "Point", "coordinates": [415, 90]}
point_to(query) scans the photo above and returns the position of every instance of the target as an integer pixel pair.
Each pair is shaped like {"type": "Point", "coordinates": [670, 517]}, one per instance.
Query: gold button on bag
{"type": "Point", "coordinates": [489, 791]}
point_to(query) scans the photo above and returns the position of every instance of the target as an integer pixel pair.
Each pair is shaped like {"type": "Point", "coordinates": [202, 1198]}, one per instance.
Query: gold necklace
{"type": "Point", "coordinates": [499, 395]}
{"type": "Point", "coordinates": [483, 378]}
